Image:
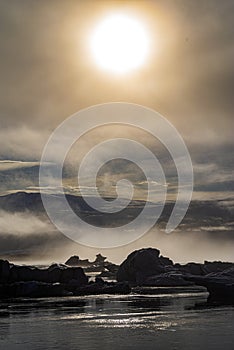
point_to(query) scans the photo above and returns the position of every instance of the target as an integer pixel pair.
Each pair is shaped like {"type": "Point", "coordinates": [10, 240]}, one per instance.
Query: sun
{"type": "Point", "coordinates": [120, 43]}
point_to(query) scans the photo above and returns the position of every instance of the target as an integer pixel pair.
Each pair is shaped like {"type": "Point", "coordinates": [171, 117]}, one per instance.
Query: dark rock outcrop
{"type": "Point", "coordinates": [56, 280]}
{"type": "Point", "coordinates": [76, 261]}
{"type": "Point", "coordinates": [146, 267]}
{"type": "Point", "coordinates": [100, 264]}
{"type": "Point", "coordinates": [33, 289]}
{"type": "Point", "coordinates": [98, 287]}
{"type": "Point", "coordinates": [142, 264]}
{"type": "Point", "coordinates": [203, 269]}
{"type": "Point", "coordinates": [4, 270]}
{"type": "Point", "coordinates": [168, 279]}
{"type": "Point", "coordinates": [54, 274]}
{"type": "Point", "coordinates": [110, 271]}
{"type": "Point", "coordinates": [220, 285]}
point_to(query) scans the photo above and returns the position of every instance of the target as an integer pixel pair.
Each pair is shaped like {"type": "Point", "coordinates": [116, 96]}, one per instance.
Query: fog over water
{"type": "Point", "coordinates": [28, 238]}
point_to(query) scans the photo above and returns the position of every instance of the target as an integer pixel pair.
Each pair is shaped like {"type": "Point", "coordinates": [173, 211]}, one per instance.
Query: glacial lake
{"type": "Point", "coordinates": [182, 321]}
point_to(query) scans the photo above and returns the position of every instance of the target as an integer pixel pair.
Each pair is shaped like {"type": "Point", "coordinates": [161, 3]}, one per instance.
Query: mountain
{"type": "Point", "coordinates": [205, 215]}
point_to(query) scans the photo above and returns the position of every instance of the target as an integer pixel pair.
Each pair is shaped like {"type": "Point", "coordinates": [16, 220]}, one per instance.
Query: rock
{"type": "Point", "coordinates": [142, 264]}
{"type": "Point", "coordinates": [55, 273]}
{"type": "Point", "coordinates": [80, 276]}
{"type": "Point", "coordinates": [113, 268]}
{"type": "Point", "coordinates": [203, 269]}
{"type": "Point", "coordinates": [50, 290]}
{"type": "Point", "coordinates": [107, 274]}
{"type": "Point", "coordinates": [166, 261]}
{"type": "Point", "coordinates": [191, 268]}
{"type": "Point", "coordinates": [22, 273]}
{"type": "Point", "coordinates": [32, 289]}
{"type": "Point", "coordinates": [226, 273]}
{"type": "Point", "coordinates": [67, 274]}
{"type": "Point", "coordinates": [145, 268]}
{"type": "Point", "coordinates": [4, 270]}
{"type": "Point", "coordinates": [99, 280]}
{"type": "Point", "coordinates": [73, 273]}
{"type": "Point", "coordinates": [110, 271]}
{"type": "Point", "coordinates": [73, 261]}
{"type": "Point", "coordinates": [100, 260]}
{"type": "Point", "coordinates": [18, 289]}
{"type": "Point", "coordinates": [98, 263]}
{"type": "Point", "coordinates": [106, 288]}
{"type": "Point", "coordinates": [216, 266]}
{"type": "Point", "coordinates": [41, 275]}
{"type": "Point", "coordinates": [168, 279]}
{"type": "Point", "coordinates": [220, 292]}
{"type": "Point", "coordinates": [220, 285]}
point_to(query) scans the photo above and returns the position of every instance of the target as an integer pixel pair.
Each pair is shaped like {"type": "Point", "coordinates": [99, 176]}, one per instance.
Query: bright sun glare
{"type": "Point", "coordinates": [120, 43]}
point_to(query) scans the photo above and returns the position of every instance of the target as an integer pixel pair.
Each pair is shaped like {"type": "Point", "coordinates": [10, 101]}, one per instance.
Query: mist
{"type": "Point", "coordinates": [27, 238]}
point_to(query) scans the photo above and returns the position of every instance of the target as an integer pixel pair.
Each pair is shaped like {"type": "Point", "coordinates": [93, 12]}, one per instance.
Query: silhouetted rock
{"type": "Point", "coordinates": [145, 267]}
{"type": "Point", "coordinates": [220, 285]}
{"type": "Point", "coordinates": [32, 289]}
{"type": "Point", "coordinates": [4, 270]}
{"type": "Point", "coordinates": [103, 288]}
{"type": "Point", "coordinates": [99, 260]}
{"type": "Point", "coordinates": [99, 280]}
{"type": "Point", "coordinates": [203, 269]}
{"type": "Point", "coordinates": [109, 271]}
{"type": "Point", "coordinates": [73, 273]}
{"type": "Point", "coordinates": [56, 280]}
{"type": "Point", "coordinates": [227, 273]}
{"type": "Point", "coordinates": [76, 261]}
{"type": "Point", "coordinates": [73, 261]}
{"type": "Point", "coordinates": [220, 292]}
{"type": "Point", "coordinates": [55, 273]}
{"type": "Point", "coordinates": [141, 264]}
{"type": "Point", "coordinates": [106, 268]}
{"type": "Point", "coordinates": [216, 266]}
{"type": "Point", "coordinates": [191, 268]}
{"type": "Point", "coordinates": [113, 268]}
{"type": "Point", "coordinates": [168, 279]}
{"type": "Point", "coordinates": [22, 273]}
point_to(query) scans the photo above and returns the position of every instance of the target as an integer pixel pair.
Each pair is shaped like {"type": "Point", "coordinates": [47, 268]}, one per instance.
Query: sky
{"type": "Point", "coordinates": [48, 74]}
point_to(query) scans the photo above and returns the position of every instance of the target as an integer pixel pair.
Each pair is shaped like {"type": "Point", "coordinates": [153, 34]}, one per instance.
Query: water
{"type": "Point", "coordinates": [174, 321]}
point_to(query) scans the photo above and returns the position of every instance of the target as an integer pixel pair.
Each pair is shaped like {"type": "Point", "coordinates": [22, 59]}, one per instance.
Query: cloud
{"type": "Point", "coordinates": [212, 175]}
{"type": "Point", "coordinates": [23, 224]}
{"type": "Point", "coordinates": [25, 236]}
{"type": "Point", "coordinates": [47, 75]}
{"type": "Point", "coordinates": [14, 164]}
{"type": "Point", "coordinates": [22, 143]}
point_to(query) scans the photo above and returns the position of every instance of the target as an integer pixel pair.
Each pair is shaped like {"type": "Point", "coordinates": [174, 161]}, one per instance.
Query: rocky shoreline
{"type": "Point", "coordinates": [146, 267]}
{"type": "Point", "coordinates": [56, 280]}
{"type": "Point", "coordinates": [143, 271]}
